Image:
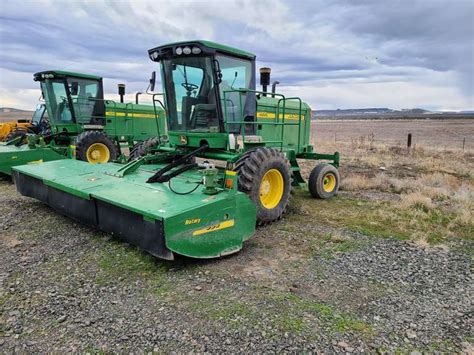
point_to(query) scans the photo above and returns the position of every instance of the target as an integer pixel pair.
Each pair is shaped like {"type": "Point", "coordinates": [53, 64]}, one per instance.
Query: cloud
{"type": "Point", "coordinates": [333, 53]}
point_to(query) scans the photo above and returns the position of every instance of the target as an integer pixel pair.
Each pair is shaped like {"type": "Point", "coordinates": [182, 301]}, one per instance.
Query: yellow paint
{"type": "Point", "coordinates": [133, 115]}
{"type": "Point", "coordinates": [288, 116]}
{"type": "Point", "coordinates": [192, 221]}
{"type": "Point", "coordinates": [98, 153]}
{"type": "Point", "coordinates": [215, 227]}
{"type": "Point", "coordinates": [329, 182]}
{"type": "Point", "coordinates": [35, 162]}
{"type": "Point", "coordinates": [230, 172]}
{"type": "Point", "coordinates": [271, 189]}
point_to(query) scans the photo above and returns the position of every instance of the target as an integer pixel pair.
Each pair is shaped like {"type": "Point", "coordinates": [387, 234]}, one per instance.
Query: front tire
{"type": "Point", "coordinates": [264, 174]}
{"type": "Point", "coordinates": [95, 147]}
{"type": "Point", "coordinates": [324, 181]}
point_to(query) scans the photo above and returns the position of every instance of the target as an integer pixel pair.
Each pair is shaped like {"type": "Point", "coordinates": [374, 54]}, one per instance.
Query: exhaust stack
{"type": "Point", "coordinates": [265, 79]}
{"type": "Point", "coordinates": [275, 83]}
{"type": "Point", "coordinates": [121, 91]}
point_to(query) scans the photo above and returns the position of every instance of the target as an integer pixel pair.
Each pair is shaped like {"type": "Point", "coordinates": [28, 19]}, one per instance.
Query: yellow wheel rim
{"type": "Point", "coordinates": [98, 153]}
{"type": "Point", "coordinates": [329, 182]}
{"type": "Point", "coordinates": [271, 188]}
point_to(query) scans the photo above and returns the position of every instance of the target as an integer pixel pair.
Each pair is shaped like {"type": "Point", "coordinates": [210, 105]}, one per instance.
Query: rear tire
{"type": "Point", "coordinates": [95, 147]}
{"type": "Point", "coordinates": [140, 149]}
{"type": "Point", "coordinates": [264, 175]}
{"type": "Point", "coordinates": [324, 181]}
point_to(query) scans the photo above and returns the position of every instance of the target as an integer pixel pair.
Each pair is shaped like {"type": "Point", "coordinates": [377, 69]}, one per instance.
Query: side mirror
{"type": "Point", "coordinates": [153, 81]}
{"type": "Point", "coordinates": [74, 88]}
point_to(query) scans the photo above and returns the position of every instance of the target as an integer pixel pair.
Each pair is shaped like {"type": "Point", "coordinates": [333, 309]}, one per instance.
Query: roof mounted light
{"type": "Point", "coordinates": [155, 55]}
{"type": "Point", "coordinates": [196, 50]}
{"type": "Point", "coordinates": [187, 50]}
{"type": "Point", "coordinates": [179, 51]}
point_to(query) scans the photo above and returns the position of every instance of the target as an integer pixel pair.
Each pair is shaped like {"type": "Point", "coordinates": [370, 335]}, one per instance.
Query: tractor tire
{"type": "Point", "coordinates": [16, 134]}
{"type": "Point", "coordinates": [141, 148]}
{"type": "Point", "coordinates": [95, 147]}
{"type": "Point", "coordinates": [324, 181]}
{"type": "Point", "coordinates": [264, 174]}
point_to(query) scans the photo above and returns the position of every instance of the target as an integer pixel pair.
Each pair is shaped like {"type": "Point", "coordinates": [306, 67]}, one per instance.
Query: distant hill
{"type": "Point", "coordinates": [13, 114]}
{"type": "Point", "coordinates": [387, 113]}
{"type": "Point", "coordinates": [9, 109]}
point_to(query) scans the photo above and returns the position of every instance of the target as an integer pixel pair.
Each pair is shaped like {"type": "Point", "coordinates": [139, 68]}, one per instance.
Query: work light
{"type": "Point", "coordinates": [196, 50]}
{"type": "Point", "coordinates": [179, 51]}
{"type": "Point", "coordinates": [186, 50]}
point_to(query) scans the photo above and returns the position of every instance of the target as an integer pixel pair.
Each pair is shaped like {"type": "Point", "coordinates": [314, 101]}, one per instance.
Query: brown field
{"type": "Point", "coordinates": [428, 133]}
{"type": "Point", "coordinates": [13, 116]}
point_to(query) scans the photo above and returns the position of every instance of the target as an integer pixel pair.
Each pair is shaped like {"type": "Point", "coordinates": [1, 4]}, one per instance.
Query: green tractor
{"type": "Point", "coordinates": [81, 123]}
{"type": "Point", "coordinates": [227, 164]}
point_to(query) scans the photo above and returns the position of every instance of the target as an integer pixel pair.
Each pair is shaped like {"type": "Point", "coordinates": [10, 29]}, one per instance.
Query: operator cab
{"type": "Point", "coordinates": [209, 88]}
{"type": "Point", "coordinates": [72, 98]}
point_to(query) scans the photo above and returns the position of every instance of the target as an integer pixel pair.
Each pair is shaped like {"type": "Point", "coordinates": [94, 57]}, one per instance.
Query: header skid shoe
{"type": "Point", "coordinates": [153, 216]}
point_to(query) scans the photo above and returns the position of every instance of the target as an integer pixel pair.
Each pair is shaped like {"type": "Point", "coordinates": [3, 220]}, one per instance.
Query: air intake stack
{"type": "Point", "coordinates": [265, 79]}
{"type": "Point", "coordinates": [121, 91]}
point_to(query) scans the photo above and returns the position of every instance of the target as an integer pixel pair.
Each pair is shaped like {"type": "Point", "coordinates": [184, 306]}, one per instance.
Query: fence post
{"type": "Point", "coordinates": [463, 143]}
{"type": "Point", "coordinates": [409, 141]}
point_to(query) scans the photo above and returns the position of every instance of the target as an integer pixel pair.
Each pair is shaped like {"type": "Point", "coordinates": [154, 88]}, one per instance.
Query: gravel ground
{"type": "Point", "coordinates": [65, 287]}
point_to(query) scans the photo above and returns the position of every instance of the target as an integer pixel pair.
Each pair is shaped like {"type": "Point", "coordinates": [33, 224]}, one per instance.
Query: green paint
{"type": "Point", "coordinates": [122, 122]}
{"type": "Point", "coordinates": [198, 222]}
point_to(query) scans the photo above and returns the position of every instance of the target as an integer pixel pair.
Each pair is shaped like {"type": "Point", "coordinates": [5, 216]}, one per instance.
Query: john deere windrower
{"type": "Point", "coordinates": [227, 164]}
{"type": "Point", "coordinates": [80, 122]}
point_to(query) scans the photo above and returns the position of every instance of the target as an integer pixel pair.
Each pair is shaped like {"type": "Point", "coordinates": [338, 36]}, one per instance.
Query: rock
{"type": "Point", "coordinates": [198, 288]}
{"type": "Point", "coordinates": [61, 319]}
{"type": "Point", "coordinates": [410, 334]}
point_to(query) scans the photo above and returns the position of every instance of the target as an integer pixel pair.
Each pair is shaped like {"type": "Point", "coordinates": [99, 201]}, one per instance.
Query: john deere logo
{"type": "Point", "coordinates": [183, 140]}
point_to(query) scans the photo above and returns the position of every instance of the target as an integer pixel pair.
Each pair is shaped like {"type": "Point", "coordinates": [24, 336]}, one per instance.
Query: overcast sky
{"type": "Point", "coordinates": [334, 54]}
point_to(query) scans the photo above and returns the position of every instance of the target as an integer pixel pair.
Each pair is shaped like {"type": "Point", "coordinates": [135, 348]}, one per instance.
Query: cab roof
{"type": "Point", "coordinates": [217, 47]}
{"type": "Point", "coordinates": [37, 76]}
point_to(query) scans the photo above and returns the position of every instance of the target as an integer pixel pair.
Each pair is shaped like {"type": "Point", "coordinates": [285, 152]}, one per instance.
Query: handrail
{"type": "Point", "coordinates": [282, 100]}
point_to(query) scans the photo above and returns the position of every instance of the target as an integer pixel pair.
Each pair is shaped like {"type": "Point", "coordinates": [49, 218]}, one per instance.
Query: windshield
{"type": "Point", "coordinates": [55, 97]}
{"type": "Point", "coordinates": [38, 114]}
{"type": "Point", "coordinates": [83, 94]}
{"type": "Point", "coordinates": [191, 95]}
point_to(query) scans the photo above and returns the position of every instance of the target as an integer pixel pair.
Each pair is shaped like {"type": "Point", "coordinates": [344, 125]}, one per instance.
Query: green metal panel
{"type": "Point", "coordinates": [11, 156]}
{"type": "Point", "coordinates": [195, 224]}
{"type": "Point", "coordinates": [194, 139]}
{"type": "Point", "coordinates": [125, 121]}
{"type": "Point", "coordinates": [295, 129]}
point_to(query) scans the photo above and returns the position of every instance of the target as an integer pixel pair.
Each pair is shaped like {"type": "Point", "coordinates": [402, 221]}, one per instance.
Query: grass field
{"type": "Point", "coordinates": [384, 266]}
{"type": "Point", "coordinates": [14, 116]}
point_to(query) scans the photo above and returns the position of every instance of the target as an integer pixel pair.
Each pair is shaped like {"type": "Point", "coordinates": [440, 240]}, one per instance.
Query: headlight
{"type": "Point", "coordinates": [196, 50]}
{"type": "Point", "coordinates": [43, 76]}
{"type": "Point", "coordinates": [179, 51]}
{"type": "Point", "coordinates": [155, 55]}
{"type": "Point", "coordinates": [187, 50]}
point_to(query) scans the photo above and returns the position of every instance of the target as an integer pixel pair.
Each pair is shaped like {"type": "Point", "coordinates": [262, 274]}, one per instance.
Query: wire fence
{"type": "Point", "coordinates": [410, 140]}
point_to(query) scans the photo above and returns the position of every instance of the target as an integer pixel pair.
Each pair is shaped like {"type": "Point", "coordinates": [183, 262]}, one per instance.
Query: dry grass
{"type": "Point", "coordinates": [434, 188]}
{"type": "Point", "coordinates": [416, 200]}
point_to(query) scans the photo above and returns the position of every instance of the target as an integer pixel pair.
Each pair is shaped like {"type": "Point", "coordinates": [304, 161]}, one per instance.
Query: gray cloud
{"type": "Point", "coordinates": [337, 45]}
